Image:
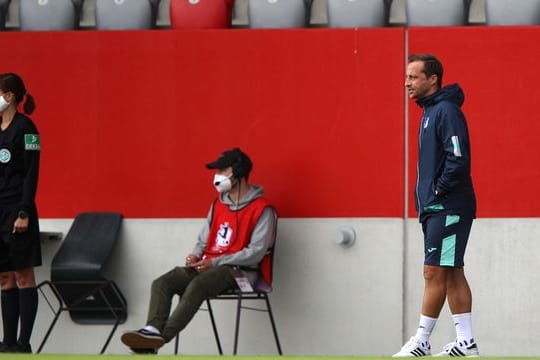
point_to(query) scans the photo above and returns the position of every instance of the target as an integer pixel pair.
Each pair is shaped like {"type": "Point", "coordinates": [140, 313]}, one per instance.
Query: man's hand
{"type": "Point", "coordinates": [192, 259]}
{"type": "Point", "coordinates": [202, 265]}
{"type": "Point", "coordinates": [20, 225]}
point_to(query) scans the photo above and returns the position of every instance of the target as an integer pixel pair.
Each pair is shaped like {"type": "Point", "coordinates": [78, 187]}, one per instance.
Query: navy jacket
{"type": "Point", "coordinates": [444, 184]}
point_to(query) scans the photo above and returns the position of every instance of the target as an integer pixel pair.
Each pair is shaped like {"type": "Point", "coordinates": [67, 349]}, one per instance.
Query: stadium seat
{"type": "Point", "coordinates": [77, 282]}
{"type": "Point", "coordinates": [279, 14]}
{"type": "Point", "coordinates": [126, 14]}
{"type": "Point", "coordinates": [4, 4]}
{"type": "Point", "coordinates": [201, 14]}
{"type": "Point", "coordinates": [261, 290]}
{"type": "Point", "coordinates": [49, 14]}
{"type": "Point", "coordinates": [437, 12]}
{"type": "Point", "coordinates": [512, 12]}
{"type": "Point", "coordinates": [357, 13]}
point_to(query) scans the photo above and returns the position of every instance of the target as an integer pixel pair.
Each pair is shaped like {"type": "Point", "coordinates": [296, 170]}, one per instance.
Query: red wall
{"type": "Point", "coordinates": [128, 119]}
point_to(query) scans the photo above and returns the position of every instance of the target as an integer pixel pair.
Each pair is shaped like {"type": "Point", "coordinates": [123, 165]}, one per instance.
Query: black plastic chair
{"type": "Point", "coordinates": [261, 289]}
{"type": "Point", "coordinates": [76, 275]}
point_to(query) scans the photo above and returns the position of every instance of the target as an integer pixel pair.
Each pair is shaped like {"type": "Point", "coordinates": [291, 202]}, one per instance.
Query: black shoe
{"type": "Point", "coordinates": [142, 339]}
{"type": "Point", "coordinates": [23, 348]}
{"type": "Point", "coordinates": [5, 348]}
{"type": "Point", "coordinates": [144, 351]}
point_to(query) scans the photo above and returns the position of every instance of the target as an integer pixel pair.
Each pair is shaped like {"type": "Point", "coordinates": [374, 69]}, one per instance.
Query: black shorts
{"type": "Point", "coordinates": [445, 240]}
{"type": "Point", "coordinates": [18, 251]}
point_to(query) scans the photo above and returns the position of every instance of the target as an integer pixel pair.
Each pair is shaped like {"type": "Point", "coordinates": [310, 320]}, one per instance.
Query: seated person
{"type": "Point", "coordinates": [236, 236]}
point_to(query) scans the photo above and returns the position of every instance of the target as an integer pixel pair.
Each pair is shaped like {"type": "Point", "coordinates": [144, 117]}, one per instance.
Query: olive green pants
{"type": "Point", "coordinates": [193, 288]}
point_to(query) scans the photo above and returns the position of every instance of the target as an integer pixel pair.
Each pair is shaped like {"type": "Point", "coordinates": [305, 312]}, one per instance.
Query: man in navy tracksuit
{"type": "Point", "coordinates": [446, 205]}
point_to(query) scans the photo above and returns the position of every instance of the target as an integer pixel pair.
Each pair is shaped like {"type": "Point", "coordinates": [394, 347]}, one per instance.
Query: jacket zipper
{"type": "Point", "coordinates": [418, 163]}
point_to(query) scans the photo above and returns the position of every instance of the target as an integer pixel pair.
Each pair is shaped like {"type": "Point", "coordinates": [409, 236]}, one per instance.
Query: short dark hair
{"type": "Point", "coordinates": [432, 66]}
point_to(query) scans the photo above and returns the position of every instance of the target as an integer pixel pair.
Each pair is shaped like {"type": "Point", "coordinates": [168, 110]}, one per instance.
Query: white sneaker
{"type": "Point", "coordinates": [414, 348]}
{"type": "Point", "coordinates": [462, 349]}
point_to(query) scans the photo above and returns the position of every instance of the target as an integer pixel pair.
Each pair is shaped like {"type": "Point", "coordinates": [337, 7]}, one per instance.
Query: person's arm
{"type": "Point", "coordinates": [454, 136]}
{"type": "Point", "coordinates": [31, 157]}
{"type": "Point", "coordinates": [261, 239]}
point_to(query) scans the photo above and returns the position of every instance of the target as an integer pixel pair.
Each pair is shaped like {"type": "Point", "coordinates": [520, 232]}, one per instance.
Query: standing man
{"type": "Point", "coordinates": [446, 205]}
{"type": "Point", "coordinates": [239, 230]}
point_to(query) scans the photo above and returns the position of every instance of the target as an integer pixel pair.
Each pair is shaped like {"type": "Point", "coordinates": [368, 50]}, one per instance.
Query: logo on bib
{"type": "Point", "coordinates": [223, 237]}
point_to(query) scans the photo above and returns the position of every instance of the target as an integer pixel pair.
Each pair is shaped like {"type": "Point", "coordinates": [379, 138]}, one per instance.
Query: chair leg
{"type": "Point", "coordinates": [115, 324]}
{"type": "Point", "coordinates": [56, 313]}
{"type": "Point", "coordinates": [214, 327]}
{"type": "Point", "coordinates": [176, 342]}
{"type": "Point", "coordinates": [56, 316]}
{"type": "Point", "coordinates": [274, 329]}
{"type": "Point", "coordinates": [110, 336]}
{"type": "Point", "coordinates": [237, 326]}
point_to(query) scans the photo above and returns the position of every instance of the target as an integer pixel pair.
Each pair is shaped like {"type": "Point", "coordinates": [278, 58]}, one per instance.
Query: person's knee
{"type": "Point", "coordinates": [165, 282]}
{"type": "Point", "coordinates": [25, 278]}
{"type": "Point", "coordinates": [456, 278]}
{"type": "Point", "coordinates": [7, 280]}
{"type": "Point", "coordinates": [435, 274]}
{"type": "Point", "coordinates": [157, 284]}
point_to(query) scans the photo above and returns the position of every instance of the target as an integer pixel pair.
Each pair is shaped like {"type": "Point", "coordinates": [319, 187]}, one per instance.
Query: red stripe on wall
{"type": "Point", "coordinates": [128, 119]}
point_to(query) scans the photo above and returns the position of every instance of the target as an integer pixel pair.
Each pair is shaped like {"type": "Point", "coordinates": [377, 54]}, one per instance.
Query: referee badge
{"type": "Point", "coordinates": [31, 142]}
{"type": "Point", "coordinates": [5, 156]}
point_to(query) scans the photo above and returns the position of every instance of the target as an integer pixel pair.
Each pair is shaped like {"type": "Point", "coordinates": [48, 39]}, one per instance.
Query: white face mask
{"type": "Point", "coordinates": [3, 104]}
{"type": "Point", "coordinates": [222, 183]}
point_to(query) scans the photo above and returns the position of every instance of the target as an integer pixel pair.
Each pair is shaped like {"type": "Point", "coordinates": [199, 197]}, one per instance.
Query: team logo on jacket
{"type": "Point", "coordinates": [5, 156]}
{"type": "Point", "coordinates": [223, 237]}
{"type": "Point", "coordinates": [426, 122]}
{"type": "Point", "coordinates": [31, 142]}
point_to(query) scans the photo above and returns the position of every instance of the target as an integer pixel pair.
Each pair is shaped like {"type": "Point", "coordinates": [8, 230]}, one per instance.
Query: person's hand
{"type": "Point", "coordinates": [20, 225]}
{"type": "Point", "coordinates": [202, 265]}
{"type": "Point", "coordinates": [192, 259]}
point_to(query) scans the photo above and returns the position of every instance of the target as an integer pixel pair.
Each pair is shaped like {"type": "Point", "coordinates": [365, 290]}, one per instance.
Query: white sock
{"type": "Point", "coordinates": [152, 329]}
{"type": "Point", "coordinates": [425, 328]}
{"type": "Point", "coordinates": [463, 323]}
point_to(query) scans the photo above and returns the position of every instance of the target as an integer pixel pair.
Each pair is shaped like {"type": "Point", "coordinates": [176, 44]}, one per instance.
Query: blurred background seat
{"type": "Point", "coordinates": [4, 5]}
{"type": "Point", "coordinates": [49, 14]}
{"type": "Point", "coordinates": [201, 14]}
{"type": "Point", "coordinates": [437, 12]}
{"type": "Point", "coordinates": [357, 13]}
{"type": "Point", "coordinates": [279, 13]}
{"type": "Point", "coordinates": [126, 14]}
{"type": "Point", "coordinates": [512, 12]}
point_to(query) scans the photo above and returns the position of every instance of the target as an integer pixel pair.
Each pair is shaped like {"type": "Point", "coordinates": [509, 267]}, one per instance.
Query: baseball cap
{"type": "Point", "coordinates": [235, 158]}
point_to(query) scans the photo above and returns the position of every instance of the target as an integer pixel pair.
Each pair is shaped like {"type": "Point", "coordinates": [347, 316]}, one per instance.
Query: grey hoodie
{"type": "Point", "coordinates": [261, 237]}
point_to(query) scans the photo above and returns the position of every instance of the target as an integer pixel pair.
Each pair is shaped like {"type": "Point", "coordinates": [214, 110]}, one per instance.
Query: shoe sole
{"type": "Point", "coordinates": [467, 356]}
{"type": "Point", "coordinates": [138, 341]}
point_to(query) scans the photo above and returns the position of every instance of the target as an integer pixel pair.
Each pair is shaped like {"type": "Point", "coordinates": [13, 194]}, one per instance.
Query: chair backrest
{"type": "Point", "coordinates": [86, 247]}
{"type": "Point", "coordinates": [357, 13]}
{"type": "Point", "coordinates": [278, 14]}
{"type": "Point", "coordinates": [201, 14]}
{"type": "Point", "coordinates": [437, 12]}
{"type": "Point", "coordinates": [125, 14]}
{"type": "Point", "coordinates": [76, 270]}
{"type": "Point", "coordinates": [49, 14]}
{"type": "Point", "coordinates": [4, 4]}
{"type": "Point", "coordinates": [512, 12]}
{"type": "Point", "coordinates": [266, 267]}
